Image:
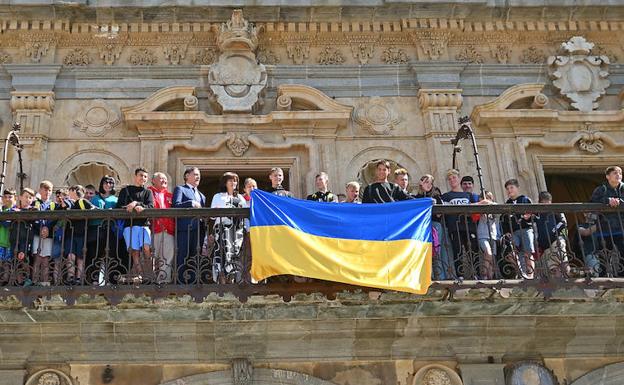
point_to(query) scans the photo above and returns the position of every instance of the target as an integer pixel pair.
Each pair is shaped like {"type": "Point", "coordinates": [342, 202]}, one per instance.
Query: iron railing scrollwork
{"type": "Point", "coordinates": [88, 255]}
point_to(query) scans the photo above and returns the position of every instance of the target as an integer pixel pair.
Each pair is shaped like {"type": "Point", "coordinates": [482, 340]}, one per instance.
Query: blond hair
{"type": "Point", "coordinates": [452, 171]}
{"type": "Point", "coordinates": [400, 171]}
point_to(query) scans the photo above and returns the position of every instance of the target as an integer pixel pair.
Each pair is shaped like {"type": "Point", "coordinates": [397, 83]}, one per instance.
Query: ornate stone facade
{"type": "Point", "coordinates": [313, 89]}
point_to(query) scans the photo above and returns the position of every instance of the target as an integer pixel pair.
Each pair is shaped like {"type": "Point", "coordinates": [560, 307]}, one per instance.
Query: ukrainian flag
{"type": "Point", "coordinates": [386, 246]}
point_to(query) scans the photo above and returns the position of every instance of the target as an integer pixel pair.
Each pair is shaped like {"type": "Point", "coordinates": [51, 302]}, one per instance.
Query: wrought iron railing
{"type": "Point", "coordinates": [88, 255]}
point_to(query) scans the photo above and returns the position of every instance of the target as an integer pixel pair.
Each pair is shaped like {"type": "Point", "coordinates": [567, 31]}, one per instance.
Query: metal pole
{"type": "Point", "coordinates": [465, 131]}
{"type": "Point", "coordinates": [476, 155]}
{"type": "Point", "coordinates": [4, 164]}
{"type": "Point", "coordinates": [21, 174]}
{"type": "Point", "coordinates": [13, 139]}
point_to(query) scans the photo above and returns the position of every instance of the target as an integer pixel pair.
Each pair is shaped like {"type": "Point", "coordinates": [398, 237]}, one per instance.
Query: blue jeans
{"type": "Point", "coordinates": [523, 240]}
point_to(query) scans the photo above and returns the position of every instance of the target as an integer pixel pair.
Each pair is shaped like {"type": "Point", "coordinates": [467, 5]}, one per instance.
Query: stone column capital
{"type": "Point", "coordinates": [32, 101]}
{"type": "Point", "coordinates": [429, 98]}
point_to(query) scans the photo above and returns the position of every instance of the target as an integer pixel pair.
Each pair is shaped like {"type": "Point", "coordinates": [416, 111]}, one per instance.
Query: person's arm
{"type": "Point", "coordinates": [178, 196]}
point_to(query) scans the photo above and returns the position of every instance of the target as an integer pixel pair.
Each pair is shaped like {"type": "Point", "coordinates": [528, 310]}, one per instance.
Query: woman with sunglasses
{"type": "Point", "coordinates": [107, 235]}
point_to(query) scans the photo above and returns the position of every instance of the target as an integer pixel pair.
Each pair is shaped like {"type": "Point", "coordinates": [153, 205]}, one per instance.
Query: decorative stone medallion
{"type": "Point", "coordinates": [579, 76]}
{"type": "Point", "coordinates": [376, 116]}
{"type": "Point", "coordinates": [436, 375]}
{"type": "Point", "coordinates": [97, 119]}
{"type": "Point", "coordinates": [49, 377]}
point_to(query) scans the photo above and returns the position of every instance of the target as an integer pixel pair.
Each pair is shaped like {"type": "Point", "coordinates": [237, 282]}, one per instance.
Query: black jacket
{"type": "Point", "coordinates": [610, 222]}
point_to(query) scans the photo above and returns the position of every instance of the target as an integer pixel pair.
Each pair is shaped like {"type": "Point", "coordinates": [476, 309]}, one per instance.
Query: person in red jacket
{"type": "Point", "coordinates": [163, 229]}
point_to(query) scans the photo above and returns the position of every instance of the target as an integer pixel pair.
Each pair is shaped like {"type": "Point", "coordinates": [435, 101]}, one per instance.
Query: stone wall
{"type": "Point", "coordinates": [369, 339]}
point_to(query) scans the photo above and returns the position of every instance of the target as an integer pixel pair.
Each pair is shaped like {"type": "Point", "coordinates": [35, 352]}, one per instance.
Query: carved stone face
{"type": "Point", "coordinates": [49, 379]}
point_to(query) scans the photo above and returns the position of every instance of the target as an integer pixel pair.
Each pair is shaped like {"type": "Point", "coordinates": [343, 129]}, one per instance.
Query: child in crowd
{"type": "Point", "coordinates": [75, 236]}
{"type": "Point", "coordinates": [552, 230]}
{"type": "Point", "coordinates": [61, 202]}
{"type": "Point", "coordinates": [6, 253]}
{"type": "Point", "coordinates": [520, 226]}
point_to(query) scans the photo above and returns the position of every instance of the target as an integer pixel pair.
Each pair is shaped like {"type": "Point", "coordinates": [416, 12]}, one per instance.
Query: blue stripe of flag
{"type": "Point", "coordinates": [375, 222]}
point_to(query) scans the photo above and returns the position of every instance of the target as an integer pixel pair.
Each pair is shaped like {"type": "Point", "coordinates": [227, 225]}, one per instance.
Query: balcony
{"type": "Point", "coordinates": [588, 259]}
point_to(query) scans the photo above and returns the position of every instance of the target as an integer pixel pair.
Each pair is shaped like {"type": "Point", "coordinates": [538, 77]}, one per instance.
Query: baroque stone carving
{"type": "Point", "coordinates": [590, 141]}
{"type": "Point", "coordinates": [267, 56]}
{"type": "Point", "coordinates": [36, 50]}
{"type": "Point", "coordinates": [110, 48]}
{"type": "Point", "coordinates": [204, 56]}
{"type": "Point", "coordinates": [237, 144]}
{"type": "Point", "coordinates": [49, 377]}
{"type": "Point", "coordinates": [579, 76]}
{"type": "Point", "coordinates": [191, 103]}
{"type": "Point", "coordinates": [97, 119]}
{"type": "Point", "coordinates": [236, 80]}
{"type": "Point", "coordinates": [175, 53]}
{"type": "Point", "coordinates": [433, 45]}
{"type": "Point", "coordinates": [436, 377]}
{"type": "Point", "coordinates": [242, 372]}
{"type": "Point", "coordinates": [394, 55]}
{"type": "Point", "coordinates": [602, 51]}
{"type": "Point", "coordinates": [143, 57]}
{"type": "Point", "coordinates": [330, 56]}
{"type": "Point", "coordinates": [501, 53]}
{"type": "Point", "coordinates": [4, 57]}
{"type": "Point", "coordinates": [298, 52]}
{"type": "Point", "coordinates": [77, 57]}
{"type": "Point", "coordinates": [363, 52]}
{"type": "Point", "coordinates": [470, 54]}
{"type": "Point", "coordinates": [532, 55]}
{"type": "Point", "coordinates": [376, 116]}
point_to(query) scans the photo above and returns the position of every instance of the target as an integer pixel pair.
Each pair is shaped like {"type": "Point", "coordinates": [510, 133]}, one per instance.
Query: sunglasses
{"type": "Point", "coordinates": [109, 182]}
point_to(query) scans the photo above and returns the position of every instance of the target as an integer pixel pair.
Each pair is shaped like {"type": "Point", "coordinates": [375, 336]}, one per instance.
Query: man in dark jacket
{"type": "Point", "coordinates": [610, 227]}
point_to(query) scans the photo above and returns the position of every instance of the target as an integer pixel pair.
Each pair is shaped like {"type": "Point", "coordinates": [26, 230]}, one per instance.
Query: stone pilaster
{"type": "Point", "coordinates": [440, 109]}
{"type": "Point", "coordinates": [32, 105]}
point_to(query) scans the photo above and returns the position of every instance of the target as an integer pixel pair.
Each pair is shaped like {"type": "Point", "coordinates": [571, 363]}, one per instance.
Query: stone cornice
{"type": "Point", "coordinates": [362, 42]}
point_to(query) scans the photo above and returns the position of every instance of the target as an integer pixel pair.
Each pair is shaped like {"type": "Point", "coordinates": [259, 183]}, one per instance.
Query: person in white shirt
{"type": "Point", "coordinates": [228, 231]}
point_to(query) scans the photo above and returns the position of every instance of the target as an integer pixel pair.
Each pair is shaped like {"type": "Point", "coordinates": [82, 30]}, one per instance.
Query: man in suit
{"type": "Point", "coordinates": [190, 231]}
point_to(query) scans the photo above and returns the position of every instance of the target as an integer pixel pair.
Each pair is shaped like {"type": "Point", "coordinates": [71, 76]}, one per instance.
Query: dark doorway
{"type": "Point", "coordinates": [573, 187]}
{"type": "Point", "coordinates": [210, 180]}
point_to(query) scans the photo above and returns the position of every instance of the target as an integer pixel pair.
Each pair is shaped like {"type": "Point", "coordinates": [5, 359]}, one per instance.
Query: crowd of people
{"type": "Point", "coordinates": [167, 249]}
